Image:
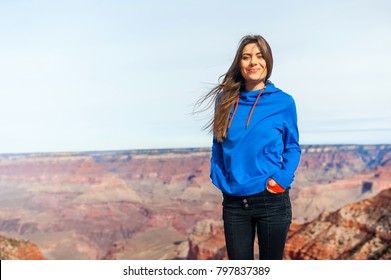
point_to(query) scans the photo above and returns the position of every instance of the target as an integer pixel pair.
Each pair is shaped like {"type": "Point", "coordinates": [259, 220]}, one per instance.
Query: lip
{"type": "Point", "coordinates": [254, 70]}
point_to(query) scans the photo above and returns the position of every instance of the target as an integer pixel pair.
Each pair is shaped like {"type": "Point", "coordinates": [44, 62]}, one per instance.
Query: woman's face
{"type": "Point", "coordinates": [253, 67]}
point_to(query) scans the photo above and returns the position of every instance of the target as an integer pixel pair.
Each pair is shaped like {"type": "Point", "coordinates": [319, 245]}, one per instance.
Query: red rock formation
{"type": "Point", "coordinates": [357, 231]}
{"type": "Point", "coordinates": [14, 249]}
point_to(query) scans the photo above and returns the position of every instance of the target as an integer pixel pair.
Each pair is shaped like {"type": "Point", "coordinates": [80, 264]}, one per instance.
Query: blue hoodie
{"type": "Point", "coordinates": [268, 148]}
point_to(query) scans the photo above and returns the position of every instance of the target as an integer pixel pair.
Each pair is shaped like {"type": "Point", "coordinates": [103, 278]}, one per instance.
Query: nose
{"type": "Point", "coordinates": [253, 60]}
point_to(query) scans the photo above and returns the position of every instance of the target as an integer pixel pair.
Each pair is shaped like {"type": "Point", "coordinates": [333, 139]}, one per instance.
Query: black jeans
{"type": "Point", "coordinates": [268, 214]}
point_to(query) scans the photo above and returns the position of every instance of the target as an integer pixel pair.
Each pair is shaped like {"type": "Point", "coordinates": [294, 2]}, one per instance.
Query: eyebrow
{"type": "Point", "coordinates": [250, 53]}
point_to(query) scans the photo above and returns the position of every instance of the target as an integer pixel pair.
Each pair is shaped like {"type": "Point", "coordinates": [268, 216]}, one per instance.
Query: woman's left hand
{"type": "Point", "coordinates": [274, 187]}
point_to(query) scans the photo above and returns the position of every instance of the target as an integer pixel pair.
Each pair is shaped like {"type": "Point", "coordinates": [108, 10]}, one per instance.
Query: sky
{"type": "Point", "coordinates": [84, 75]}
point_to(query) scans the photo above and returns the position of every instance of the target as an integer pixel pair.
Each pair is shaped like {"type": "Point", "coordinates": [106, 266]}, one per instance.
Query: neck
{"type": "Point", "coordinates": [251, 86]}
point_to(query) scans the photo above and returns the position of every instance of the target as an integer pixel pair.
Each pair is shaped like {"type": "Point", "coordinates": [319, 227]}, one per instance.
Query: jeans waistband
{"type": "Point", "coordinates": [255, 200]}
{"type": "Point", "coordinates": [265, 193]}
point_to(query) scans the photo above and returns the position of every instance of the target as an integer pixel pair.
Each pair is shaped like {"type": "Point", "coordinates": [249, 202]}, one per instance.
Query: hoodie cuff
{"type": "Point", "coordinates": [283, 179]}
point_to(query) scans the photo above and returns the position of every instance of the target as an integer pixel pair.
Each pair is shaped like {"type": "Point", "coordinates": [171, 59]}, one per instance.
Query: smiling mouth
{"type": "Point", "coordinates": [254, 70]}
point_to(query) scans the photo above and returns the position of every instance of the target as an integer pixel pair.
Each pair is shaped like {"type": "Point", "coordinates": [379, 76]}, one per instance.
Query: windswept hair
{"type": "Point", "coordinates": [225, 93]}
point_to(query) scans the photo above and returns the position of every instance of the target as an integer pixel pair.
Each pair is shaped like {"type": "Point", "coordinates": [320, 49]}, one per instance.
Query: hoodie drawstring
{"type": "Point", "coordinates": [251, 112]}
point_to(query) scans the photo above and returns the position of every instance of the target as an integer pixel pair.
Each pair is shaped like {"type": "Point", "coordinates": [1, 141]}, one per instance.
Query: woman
{"type": "Point", "coordinates": [255, 153]}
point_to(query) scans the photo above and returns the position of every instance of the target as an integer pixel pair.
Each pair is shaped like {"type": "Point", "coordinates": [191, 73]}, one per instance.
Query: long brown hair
{"type": "Point", "coordinates": [225, 93]}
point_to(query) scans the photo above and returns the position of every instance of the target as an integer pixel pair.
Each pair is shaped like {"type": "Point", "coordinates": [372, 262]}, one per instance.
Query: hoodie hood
{"type": "Point", "coordinates": [251, 96]}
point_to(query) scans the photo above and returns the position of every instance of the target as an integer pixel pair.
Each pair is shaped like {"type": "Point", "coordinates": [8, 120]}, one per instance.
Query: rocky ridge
{"type": "Point", "coordinates": [15, 249]}
{"type": "Point", "coordinates": [357, 231]}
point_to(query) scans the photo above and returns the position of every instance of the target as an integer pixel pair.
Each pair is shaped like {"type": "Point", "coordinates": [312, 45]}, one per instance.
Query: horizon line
{"type": "Point", "coordinates": [177, 149]}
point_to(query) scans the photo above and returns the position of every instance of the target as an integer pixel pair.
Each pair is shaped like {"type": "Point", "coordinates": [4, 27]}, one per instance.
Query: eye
{"type": "Point", "coordinates": [245, 57]}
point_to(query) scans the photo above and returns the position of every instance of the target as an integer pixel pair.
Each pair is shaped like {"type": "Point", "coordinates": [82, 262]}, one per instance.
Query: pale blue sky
{"type": "Point", "coordinates": [110, 75]}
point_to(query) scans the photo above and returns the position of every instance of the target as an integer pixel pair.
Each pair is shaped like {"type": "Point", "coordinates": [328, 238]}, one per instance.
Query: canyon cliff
{"type": "Point", "coordinates": [95, 205]}
{"type": "Point", "coordinates": [16, 249]}
{"type": "Point", "coordinates": [360, 230]}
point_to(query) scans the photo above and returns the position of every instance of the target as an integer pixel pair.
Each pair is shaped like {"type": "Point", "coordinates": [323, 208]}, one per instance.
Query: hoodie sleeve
{"type": "Point", "coordinates": [217, 149]}
{"type": "Point", "coordinates": [292, 151]}
{"type": "Point", "coordinates": [217, 153]}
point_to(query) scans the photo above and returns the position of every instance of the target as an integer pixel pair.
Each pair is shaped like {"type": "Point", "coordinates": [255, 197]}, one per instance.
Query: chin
{"type": "Point", "coordinates": [255, 81]}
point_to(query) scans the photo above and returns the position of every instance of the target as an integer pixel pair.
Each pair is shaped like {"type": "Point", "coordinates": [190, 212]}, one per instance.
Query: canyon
{"type": "Point", "coordinates": [160, 204]}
